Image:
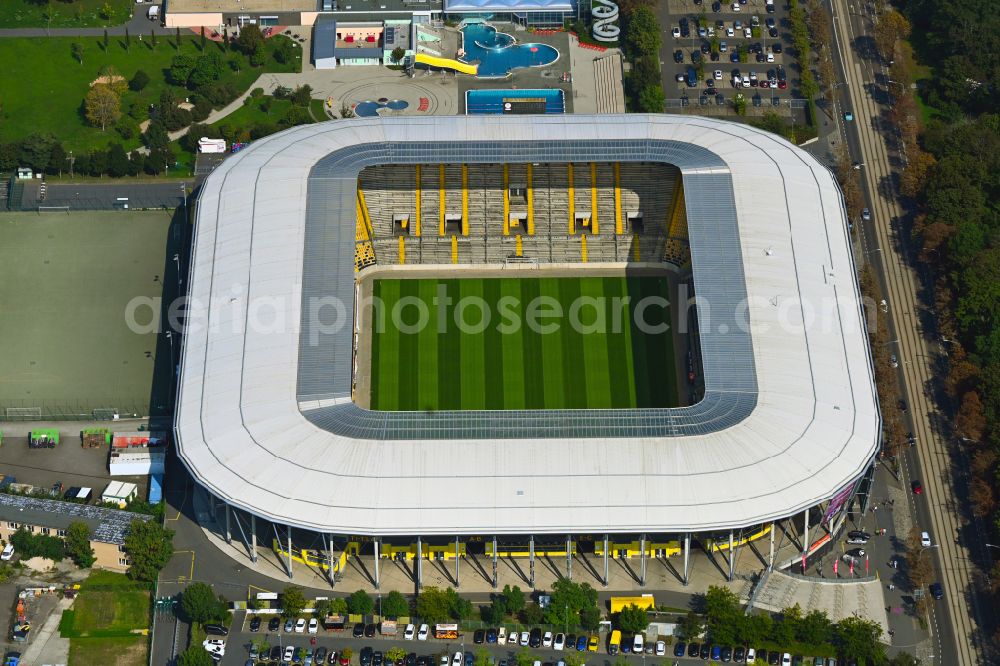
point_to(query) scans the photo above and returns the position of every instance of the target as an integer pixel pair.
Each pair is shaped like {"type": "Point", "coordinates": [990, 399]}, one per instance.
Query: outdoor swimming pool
{"type": "Point", "coordinates": [498, 53]}
{"type": "Point", "coordinates": [480, 102]}
{"type": "Point", "coordinates": [369, 109]}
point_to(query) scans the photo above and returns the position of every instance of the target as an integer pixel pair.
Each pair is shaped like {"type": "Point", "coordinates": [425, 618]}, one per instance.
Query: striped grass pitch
{"type": "Point", "coordinates": [501, 365]}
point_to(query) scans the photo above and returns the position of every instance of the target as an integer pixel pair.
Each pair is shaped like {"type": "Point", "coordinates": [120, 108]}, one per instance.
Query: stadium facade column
{"type": "Point", "coordinates": [328, 547]}
{"type": "Point", "coordinates": [569, 557]}
{"type": "Point", "coordinates": [605, 560]}
{"type": "Point", "coordinates": [229, 533]}
{"type": "Point", "coordinates": [253, 538]}
{"type": "Point", "coordinates": [531, 560]}
{"type": "Point", "coordinates": [770, 555]}
{"type": "Point", "coordinates": [494, 561]}
{"type": "Point", "coordinates": [687, 558]}
{"type": "Point", "coordinates": [420, 556]}
{"type": "Point", "coordinates": [642, 560]}
{"type": "Point", "coordinates": [805, 536]}
{"type": "Point", "coordinates": [289, 551]}
{"type": "Point", "coordinates": [456, 562]}
{"type": "Point", "coordinates": [378, 543]}
{"type": "Point", "coordinates": [243, 534]}
{"type": "Point", "coordinates": [732, 559]}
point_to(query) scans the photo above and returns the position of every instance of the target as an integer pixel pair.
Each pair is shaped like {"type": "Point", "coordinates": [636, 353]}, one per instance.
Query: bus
{"type": "Point", "coordinates": [448, 632]}
{"type": "Point", "coordinates": [614, 642]}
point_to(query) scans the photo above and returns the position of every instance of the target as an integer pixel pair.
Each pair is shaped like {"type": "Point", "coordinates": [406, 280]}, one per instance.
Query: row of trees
{"type": "Point", "coordinates": [720, 618]}
{"type": "Point", "coordinates": [641, 45]}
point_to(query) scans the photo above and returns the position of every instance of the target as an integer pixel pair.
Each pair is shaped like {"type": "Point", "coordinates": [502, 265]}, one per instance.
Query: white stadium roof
{"type": "Point", "coordinates": [264, 417]}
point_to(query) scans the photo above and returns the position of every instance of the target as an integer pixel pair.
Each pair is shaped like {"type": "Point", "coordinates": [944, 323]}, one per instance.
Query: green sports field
{"type": "Point", "coordinates": [594, 356]}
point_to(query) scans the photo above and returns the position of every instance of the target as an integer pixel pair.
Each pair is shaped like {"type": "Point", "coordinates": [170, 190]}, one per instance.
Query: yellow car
{"type": "Point", "coordinates": [593, 643]}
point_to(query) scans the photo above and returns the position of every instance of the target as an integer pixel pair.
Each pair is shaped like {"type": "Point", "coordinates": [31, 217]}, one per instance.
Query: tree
{"type": "Point", "coordinates": [642, 32]}
{"type": "Point", "coordinates": [513, 599]}
{"type": "Point", "coordinates": [970, 421]}
{"type": "Point", "coordinates": [251, 40]}
{"type": "Point", "coordinates": [532, 614]}
{"type": "Point", "coordinates": [321, 608]}
{"type": "Point", "coordinates": [200, 605]}
{"type": "Point", "coordinates": [102, 106]}
{"type": "Point", "coordinates": [890, 27]}
{"type": "Point", "coordinates": [30, 545]}
{"type": "Point", "coordinates": [398, 54]}
{"type": "Point", "coordinates": [395, 604]}
{"type": "Point", "coordinates": [284, 50]}
{"type": "Point", "coordinates": [302, 95]}
{"type": "Point", "coordinates": [293, 601]}
{"type": "Point", "coordinates": [338, 605]}
{"type": "Point", "coordinates": [652, 99]}
{"type": "Point", "coordinates": [118, 162]}
{"type": "Point", "coordinates": [180, 69]}
{"type": "Point", "coordinates": [195, 655]}
{"type": "Point", "coordinates": [78, 539]}
{"type": "Point", "coordinates": [432, 605]}
{"type": "Point", "coordinates": [815, 628]}
{"type": "Point", "coordinates": [360, 603]}
{"type": "Point", "coordinates": [859, 638]}
{"type": "Point", "coordinates": [904, 659]}
{"type": "Point", "coordinates": [77, 49]}
{"type": "Point", "coordinates": [590, 618]}
{"type": "Point", "coordinates": [632, 619]}
{"type": "Point", "coordinates": [395, 653]}
{"type": "Point", "coordinates": [149, 547]}
{"type": "Point", "coordinates": [483, 658]}
{"type": "Point", "coordinates": [139, 81]}
{"type": "Point", "coordinates": [495, 613]}
{"type": "Point", "coordinates": [568, 599]}
{"type": "Point", "coordinates": [722, 610]}
{"type": "Point", "coordinates": [691, 626]}
{"type": "Point", "coordinates": [524, 657]}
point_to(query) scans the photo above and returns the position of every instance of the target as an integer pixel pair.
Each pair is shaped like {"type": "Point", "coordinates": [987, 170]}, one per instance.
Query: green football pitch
{"type": "Point", "coordinates": [594, 356]}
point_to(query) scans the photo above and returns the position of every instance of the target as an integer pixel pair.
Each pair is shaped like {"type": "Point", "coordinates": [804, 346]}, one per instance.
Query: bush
{"type": "Point", "coordinates": [178, 119]}
{"type": "Point", "coordinates": [302, 95]}
{"type": "Point", "coordinates": [139, 81]}
{"type": "Point", "coordinates": [257, 92]}
{"type": "Point", "coordinates": [30, 545]}
{"type": "Point", "coordinates": [281, 92]}
{"type": "Point", "coordinates": [260, 130]}
{"type": "Point", "coordinates": [202, 108]}
{"type": "Point", "coordinates": [127, 128]}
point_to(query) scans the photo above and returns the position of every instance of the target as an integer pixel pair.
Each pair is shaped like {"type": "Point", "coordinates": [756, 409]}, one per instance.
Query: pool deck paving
{"type": "Point", "coordinates": [444, 90]}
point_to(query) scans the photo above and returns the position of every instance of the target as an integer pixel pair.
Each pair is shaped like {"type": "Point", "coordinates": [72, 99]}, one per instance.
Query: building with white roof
{"type": "Point", "coordinates": [265, 420]}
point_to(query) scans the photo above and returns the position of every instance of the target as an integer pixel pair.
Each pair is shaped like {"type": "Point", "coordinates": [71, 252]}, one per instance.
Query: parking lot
{"type": "Point", "coordinates": [462, 651]}
{"type": "Point", "coordinates": [714, 50]}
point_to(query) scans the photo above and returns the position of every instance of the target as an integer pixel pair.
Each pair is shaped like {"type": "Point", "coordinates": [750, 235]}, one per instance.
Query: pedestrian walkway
{"type": "Point", "coordinates": [47, 646]}
{"type": "Point", "coordinates": [837, 598]}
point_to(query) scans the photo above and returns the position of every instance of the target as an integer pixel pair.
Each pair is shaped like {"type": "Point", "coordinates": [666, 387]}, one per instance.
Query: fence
{"type": "Point", "coordinates": [45, 410]}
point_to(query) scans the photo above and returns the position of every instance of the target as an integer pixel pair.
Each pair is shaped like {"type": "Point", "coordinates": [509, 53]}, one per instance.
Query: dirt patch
{"type": "Point", "coordinates": [106, 80]}
{"type": "Point", "coordinates": [39, 564]}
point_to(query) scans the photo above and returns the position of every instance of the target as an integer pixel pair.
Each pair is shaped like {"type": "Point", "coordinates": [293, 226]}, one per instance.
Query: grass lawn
{"type": "Point", "coordinates": [65, 282]}
{"type": "Point", "coordinates": [78, 14]}
{"type": "Point", "coordinates": [586, 360]}
{"type": "Point", "coordinates": [112, 605]}
{"type": "Point", "coordinates": [119, 651]}
{"type": "Point", "coordinates": [44, 86]}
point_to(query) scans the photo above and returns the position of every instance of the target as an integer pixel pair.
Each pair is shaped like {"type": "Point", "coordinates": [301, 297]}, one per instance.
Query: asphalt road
{"type": "Point", "coordinates": [954, 628]}
{"type": "Point", "coordinates": [138, 24]}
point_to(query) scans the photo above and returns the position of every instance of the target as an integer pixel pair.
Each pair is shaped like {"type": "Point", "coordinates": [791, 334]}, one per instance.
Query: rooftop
{"type": "Point", "coordinates": [106, 525]}
{"type": "Point", "coordinates": [789, 417]}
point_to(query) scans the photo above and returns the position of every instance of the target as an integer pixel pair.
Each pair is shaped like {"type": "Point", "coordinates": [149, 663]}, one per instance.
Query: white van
{"type": "Point", "coordinates": [8, 552]}
{"type": "Point", "coordinates": [925, 539]}
{"type": "Point", "coordinates": [153, 13]}
{"type": "Point", "coordinates": [637, 644]}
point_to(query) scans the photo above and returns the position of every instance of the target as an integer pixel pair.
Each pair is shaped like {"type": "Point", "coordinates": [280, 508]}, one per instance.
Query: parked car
{"type": "Point", "coordinates": [917, 487]}
{"type": "Point", "coordinates": [866, 214]}
{"type": "Point", "coordinates": [547, 639]}
{"type": "Point", "coordinates": [479, 637]}
{"type": "Point", "coordinates": [300, 626]}
{"type": "Point", "coordinates": [313, 625]}
{"type": "Point", "coordinates": [739, 654]}
{"type": "Point", "coordinates": [255, 624]}
{"type": "Point", "coordinates": [559, 642]}
{"type": "Point", "coordinates": [216, 630]}
{"type": "Point", "coordinates": [936, 590]}
{"type": "Point", "coordinates": [660, 649]}
{"type": "Point", "coordinates": [581, 643]}
{"type": "Point", "coordinates": [679, 649]}
{"type": "Point", "coordinates": [593, 643]}
{"type": "Point", "coordinates": [358, 631]}
{"type": "Point", "coordinates": [925, 539]}
{"type": "Point", "coordinates": [858, 537]}
{"type": "Point", "coordinates": [289, 625]}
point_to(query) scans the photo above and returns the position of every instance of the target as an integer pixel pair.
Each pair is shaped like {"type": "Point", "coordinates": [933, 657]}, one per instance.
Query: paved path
{"type": "Point", "coordinates": [48, 647]}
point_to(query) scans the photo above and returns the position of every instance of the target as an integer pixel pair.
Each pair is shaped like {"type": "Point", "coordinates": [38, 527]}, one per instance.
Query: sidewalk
{"type": "Point", "coordinates": [48, 647]}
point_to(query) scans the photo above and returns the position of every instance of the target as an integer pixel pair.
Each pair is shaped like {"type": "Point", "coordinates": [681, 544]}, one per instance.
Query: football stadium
{"type": "Point", "coordinates": [516, 336]}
